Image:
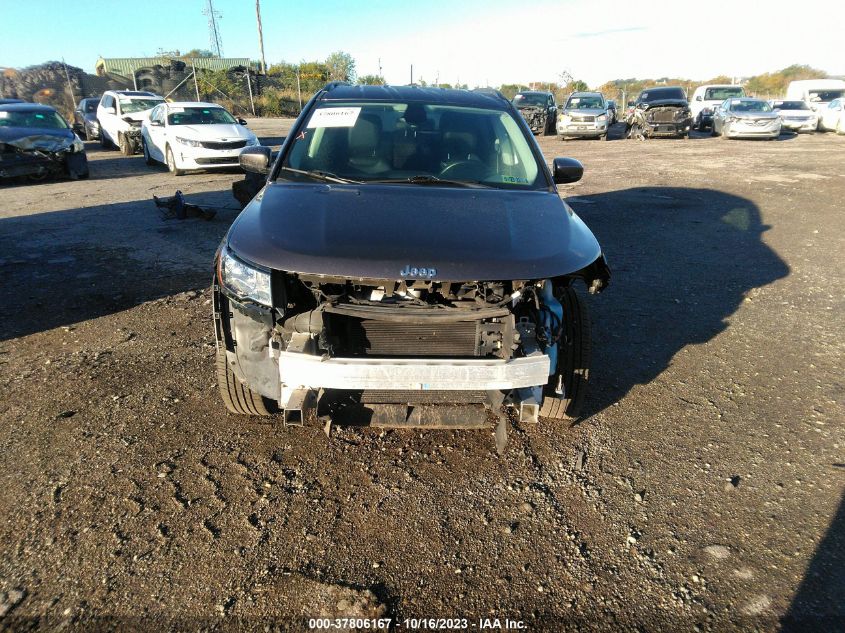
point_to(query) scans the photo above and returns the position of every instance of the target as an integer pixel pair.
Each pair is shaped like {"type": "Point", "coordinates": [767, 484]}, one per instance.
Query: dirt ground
{"type": "Point", "coordinates": [703, 489]}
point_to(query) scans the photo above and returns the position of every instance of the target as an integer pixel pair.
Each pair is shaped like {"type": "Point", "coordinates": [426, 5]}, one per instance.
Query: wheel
{"type": "Point", "coordinates": [104, 142]}
{"type": "Point", "coordinates": [237, 397]}
{"type": "Point", "coordinates": [171, 163]}
{"type": "Point", "coordinates": [147, 158]}
{"type": "Point", "coordinates": [127, 145]}
{"type": "Point", "coordinates": [573, 361]}
{"type": "Point", "coordinates": [605, 136]}
{"type": "Point", "coordinates": [840, 126]}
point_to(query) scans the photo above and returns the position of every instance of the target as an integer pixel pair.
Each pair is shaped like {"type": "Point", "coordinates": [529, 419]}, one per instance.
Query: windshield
{"type": "Point", "coordinates": [790, 105]}
{"type": "Point", "coordinates": [658, 94]}
{"type": "Point", "coordinates": [522, 100]}
{"type": "Point", "coordinates": [725, 92]}
{"type": "Point", "coordinates": [198, 116]}
{"type": "Point", "coordinates": [89, 106]}
{"type": "Point", "coordinates": [35, 119]}
{"type": "Point", "coordinates": [414, 142]}
{"type": "Point", "coordinates": [825, 96]}
{"type": "Point", "coordinates": [585, 102]}
{"type": "Point", "coordinates": [738, 105]}
{"type": "Point", "coordinates": [138, 105]}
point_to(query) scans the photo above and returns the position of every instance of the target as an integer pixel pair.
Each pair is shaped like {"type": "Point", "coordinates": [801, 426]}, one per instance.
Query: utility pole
{"type": "Point", "coordinates": [69, 85]}
{"type": "Point", "coordinates": [196, 85]}
{"type": "Point", "coordinates": [260, 37]}
{"type": "Point", "coordinates": [412, 74]}
{"type": "Point", "coordinates": [379, 68]}
{"type": "Point", "coordinates": [298, 89]}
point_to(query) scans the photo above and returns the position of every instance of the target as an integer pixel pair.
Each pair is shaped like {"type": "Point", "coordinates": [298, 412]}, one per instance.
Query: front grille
{"type": "Point", "coordinates": [224, 144]}
{"type": "Point", "coordinates": [223, 160]}
{"type": "Point", "coordinates": [370, 337]}
{"type": "Point", "coordinates": [375, 396]}
{"type": "Point", "coordinates": [583, 119]}
{"type": "Point", "coordinates": [663, 116]}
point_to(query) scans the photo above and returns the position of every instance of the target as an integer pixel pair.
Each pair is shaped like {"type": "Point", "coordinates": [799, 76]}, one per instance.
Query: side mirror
{"type": "Point", "coordinates": [242, 121]}
{"type": "Point", "coordinates": [255, 159]}
{"type": "Point", "coordinates": [698, 98]}
{"type": "Point", "coordinates": [156, 123]}
{"type": "Point", "coordinates": [566, 170]}
{"type": "Point", "coordinates": [109, 110]}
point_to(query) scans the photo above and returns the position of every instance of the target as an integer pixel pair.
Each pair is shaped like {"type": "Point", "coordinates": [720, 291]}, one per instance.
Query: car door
{"type": "Point", "coordinates": [719, 114]}
{"type": "Point", "coordinates": [108, 118]}
{"type": "Point", "coordinates": [154, 129]}
{"type": "Point", "coordinates": [830, 114]}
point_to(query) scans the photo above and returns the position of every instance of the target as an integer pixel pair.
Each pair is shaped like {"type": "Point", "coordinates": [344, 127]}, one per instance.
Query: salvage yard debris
{"type": "Point", "coordinates": [175, 207]}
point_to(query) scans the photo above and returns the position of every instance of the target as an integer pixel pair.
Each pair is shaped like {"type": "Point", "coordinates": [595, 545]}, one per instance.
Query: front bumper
{"type": "Point", "coordinates": [745, 130]}
{"type": "Point", "coordinates": [796, 125]}
{"type": "Point", "coordinates": [299, 370]}
{"type": "Point", "coordinates": [201, 158]}
{"type": "Point", "coordinates": [678, 128]}
{"type": "Point", "coordinates": [578, 128]}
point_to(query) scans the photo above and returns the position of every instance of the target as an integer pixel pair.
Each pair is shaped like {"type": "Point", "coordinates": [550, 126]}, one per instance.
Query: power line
{"type": "Point", "coordinates": [214, 37]}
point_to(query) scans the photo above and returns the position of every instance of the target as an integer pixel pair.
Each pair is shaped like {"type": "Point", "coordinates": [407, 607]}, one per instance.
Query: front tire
{"type": "Point", "coordinates": [573, 362]}
{"type": "Point", "coordinates": [171, 163]}
{"type": "Point", "coordinates": [237, 397]}
{"type": "Point", "coordinates": [127, 146]}
{"type": "Point", "coordinates": [105, 143]}
{"type": "Point", "coordinates": [148, 159]}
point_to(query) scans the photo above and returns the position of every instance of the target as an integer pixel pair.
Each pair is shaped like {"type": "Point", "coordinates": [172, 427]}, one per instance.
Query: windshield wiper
{"type": "Point", "coordinates": [426, 179]}
{"type": "Point", "coordinates": [326, 176]}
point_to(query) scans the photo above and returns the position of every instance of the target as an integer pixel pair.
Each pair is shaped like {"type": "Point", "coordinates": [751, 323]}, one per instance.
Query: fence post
{"type": "Point", "coordinates": [249, 87]}
{"type": "Point", "coordinates": [196, 85]}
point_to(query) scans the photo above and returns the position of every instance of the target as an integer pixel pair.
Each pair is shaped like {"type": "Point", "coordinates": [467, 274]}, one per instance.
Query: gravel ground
{"type": "Point", "coordinates": [703, 488]}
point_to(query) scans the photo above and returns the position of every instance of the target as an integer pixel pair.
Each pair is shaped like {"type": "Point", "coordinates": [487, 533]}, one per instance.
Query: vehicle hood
{"type": "Point", "coordinates": [143, 115]}
{"type": "Point", "coordinates": [755, 115]}
{"type": "Point", "coordinates": [806, 113]}
{"type": "Point", "coordinates": [585, 111]}
{"type": "Point", "coordinates": [376, 231]}
{"type": "Point", "coordinates": [228, 131]}
{"type": "Point", "coordinates": [665, 103]}
{"type": "Point", "coordinates": [530, 107]}
{"type": "Point", "coordinates": [29, 138]}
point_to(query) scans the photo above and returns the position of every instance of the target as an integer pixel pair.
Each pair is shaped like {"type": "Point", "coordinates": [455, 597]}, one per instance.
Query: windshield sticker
{"type": "Point", "coordinates": [4, 115]}
{"type": "Point", "coordinates": [736, 101]}
{"type": "Point", "coordinates": [176, 110]}
{"type": "Point", "coordinates": [519, 96]}
{"type": "Point", "coordinates": [334, 117]}
{"type": "Point", "coordinates": [516, 180]}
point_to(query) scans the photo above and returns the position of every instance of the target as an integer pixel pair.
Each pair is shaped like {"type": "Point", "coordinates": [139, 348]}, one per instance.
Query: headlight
{"type": "Point", "coordinates": [245, 281]}
{"type": "Point", "coordinates": [565, 118]}
{"type": "Point", "coordinates": [77, 146]}
{"type": "Point", "coordinates": [187, 141]}
{"type": "Point", "coordinates": [733, 119]}
{"type": "Point", "coordinates": [601, 117]}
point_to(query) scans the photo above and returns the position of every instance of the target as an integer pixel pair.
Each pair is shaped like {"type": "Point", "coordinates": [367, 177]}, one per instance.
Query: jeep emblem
{"type": "Point", "coordinates": [418, 273]}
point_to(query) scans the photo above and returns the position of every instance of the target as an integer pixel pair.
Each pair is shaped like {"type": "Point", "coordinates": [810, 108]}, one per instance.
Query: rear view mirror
{"type": "Point", "coordinates": [566, 170]}
{"type": "Point", "coordinates": [255, 159]}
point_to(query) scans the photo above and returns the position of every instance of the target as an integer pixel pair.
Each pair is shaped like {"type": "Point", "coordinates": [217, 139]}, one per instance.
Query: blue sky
{"type": "Point", "coordinates": [475, 42]}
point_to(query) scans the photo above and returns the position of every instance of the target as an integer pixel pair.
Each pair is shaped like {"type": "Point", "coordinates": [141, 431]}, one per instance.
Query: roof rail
{"type": "Point", "coordinates": [334, 84]}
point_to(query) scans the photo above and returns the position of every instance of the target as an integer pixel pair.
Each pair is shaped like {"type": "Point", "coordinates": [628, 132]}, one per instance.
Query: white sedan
{"type": "Point", "coordinates": [832, 117]}
{"type": "Point", "coordinates": [191, 135]}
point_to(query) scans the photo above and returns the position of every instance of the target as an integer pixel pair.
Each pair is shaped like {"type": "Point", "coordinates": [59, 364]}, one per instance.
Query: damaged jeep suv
{"type": "Point", "coordinates": [660, 111]}
{"type": "Point", "coordinates": [409, 249]}
{"type": "Point", "coordinates": [538, 109]}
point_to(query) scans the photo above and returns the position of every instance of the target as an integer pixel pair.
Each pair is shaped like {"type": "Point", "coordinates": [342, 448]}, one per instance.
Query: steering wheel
{"type": "Point", "coordinates": [468, 169]}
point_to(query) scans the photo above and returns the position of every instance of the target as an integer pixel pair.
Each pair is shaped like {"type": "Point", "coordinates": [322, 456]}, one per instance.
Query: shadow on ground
{"type": "Point", "coordinates": [819, 603]}
{"type": "Point", "coordinates": [68, 266]}
{"type": "Point", "coordinates": [683, 261]}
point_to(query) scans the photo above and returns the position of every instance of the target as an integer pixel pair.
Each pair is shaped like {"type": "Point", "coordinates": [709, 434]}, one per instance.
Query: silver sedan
{"type": "Point", "coordinates": [746, 118]}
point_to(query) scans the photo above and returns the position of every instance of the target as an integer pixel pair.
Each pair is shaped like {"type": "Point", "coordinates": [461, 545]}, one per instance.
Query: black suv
{"type": "Point", "coordinates": [538, 109]}
{"type": "Point", "coordinates": [660, 111]}
{"type": "Point", "coordinates": [408, 249]}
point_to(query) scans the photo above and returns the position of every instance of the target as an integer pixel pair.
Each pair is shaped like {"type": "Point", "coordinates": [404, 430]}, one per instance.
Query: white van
{"type": "Point", "coordinates": [816, 93]}
{"type": "Point", "coordinates": [707, 98]}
